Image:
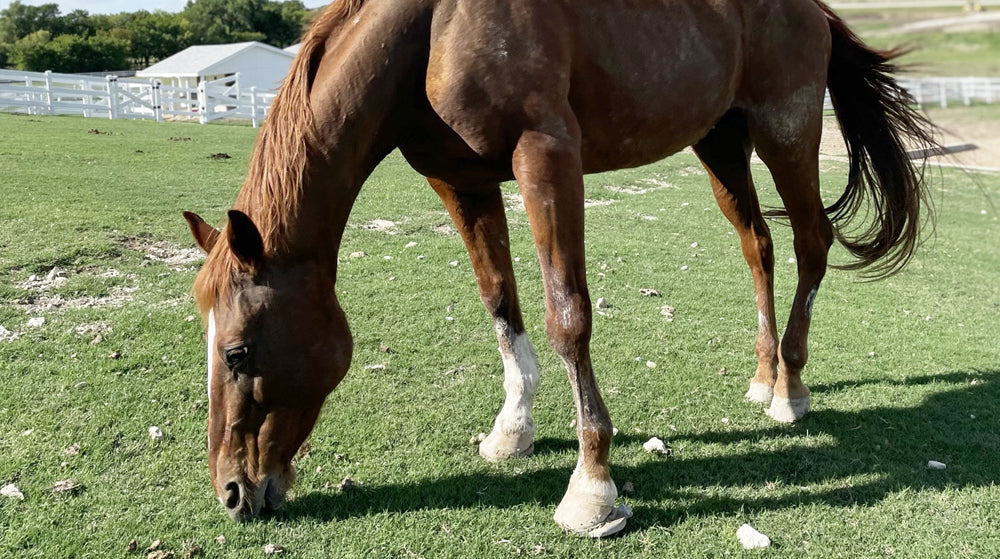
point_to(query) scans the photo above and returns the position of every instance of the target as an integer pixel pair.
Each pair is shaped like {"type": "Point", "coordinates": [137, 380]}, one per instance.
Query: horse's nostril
{"type": "Point", "coordinates": [232, 495]}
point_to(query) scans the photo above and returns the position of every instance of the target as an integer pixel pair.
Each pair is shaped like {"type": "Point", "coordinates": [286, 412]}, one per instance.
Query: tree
{"type": "Point", "coordinates": [20, 20]}
{"type": "Point", "coordinates": [228, 21]}
{"type": "Point", "coordinates": [70, 53]}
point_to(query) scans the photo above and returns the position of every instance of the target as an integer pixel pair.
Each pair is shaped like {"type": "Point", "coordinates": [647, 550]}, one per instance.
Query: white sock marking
{"type": "Point", "coordinates": [520, 381]}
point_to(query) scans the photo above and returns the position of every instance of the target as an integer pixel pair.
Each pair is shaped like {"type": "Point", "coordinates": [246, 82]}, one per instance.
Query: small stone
{"type": "Point", "coordinates": [481, 437]}
{"type": "Point", "coordinates": [190, 550]}
{"type": "Point", "coordinates": [132, 546]}
{"type": "Point", "coordinates": [614, 431]}
{"type": "Point", "coordinates": [453, 263]}
{"type": "Point", "coordinates": [160, 554]}
{"type": "Point", "coordinates": [272, 549]}
{"type": "Point", "coordinates": [97, 339]}
{"type": "Point", "coordinates": [189, 318]}
{"type": "Point", "coordinates": [473, 441]}
{"type": "Point", "coordinates": [338, 456]}
{"type": "Point", "coordinates": [82, 384]}
{"type": "Point", "coordinates": [8, 336]}
{"type": "Point", "coordinates": [725, 420]}
{"type": "Point", "coordinates": [383, 348]}
{"type": "Point", "coordinates": [155, 433]}
{"type": "Point", "coordinates": [656, 446]}
{"type": "Point", "coordinates": [722, 371]}
{"type": "Point", "coordinates": [651, 364]}
{"type": "Point", "coordinates": [36, 322]}
{"type": "Point", "coordinates": [358, 254]}
{"type": "Point", "coordinates": [627, 487]}
{"type": "Point", "coordinates": [649, 292]}
{"type": "Point", "coordinates": [27, 432]}
{"type": "Point", "coordinates": [791, 260]}
{"type": "Point", "coordinates": [55, 273]}
{"type": "Point", "coordinates": [683, 268]}
{"type": "Point", "coordinates": [572, 424]}
{"type": "Point", "coordinates": [65, 486]}
{"type": "Point", "coordinates": [220, 539]}
{"type": "Point", "coordinates": [154, 546]}
{"type": "Point", "coordinates": [115, 355]}
{"type": "Point", "coordinates": [387, 257]}
{"type": "Point", "coordinates": [602, 303]}
{"type": "Point", "coordinates": [11, 492]}
{"type": "Point", "coordinates": [751, 539]}
{"type": "Point", "coordinates": [346, 484]}
{"type": "Point", "coordinates": [410, 244]}
{"type": "Point", "coordinates": [449, 318]}
{"type": "Point", "coordinates": [72, 450]}
{"type": "Point", "coordinates": [667, 312]}
{"type": "Point", "coordinates": [935, 465]}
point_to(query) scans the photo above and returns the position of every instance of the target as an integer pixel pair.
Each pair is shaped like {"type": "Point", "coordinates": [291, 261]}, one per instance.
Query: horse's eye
{"type": "Point", "coordinates": [236, 357]}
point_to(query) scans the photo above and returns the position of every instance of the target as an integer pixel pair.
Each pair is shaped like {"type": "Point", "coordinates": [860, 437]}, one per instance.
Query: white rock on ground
{"type": "Point", "coordinates": [11, 492]}
{"type": "Point", "coordinates": [750, 538]}
{"type": "Point", "coordinates": [36, 322]}
{"type": "Point", "coordinates": [935, 465]}
{"type": "Point", "coordinates": [272, 549]}
{"type": "Point", "coordinates": [8, 336]}
{"type": "Point", "coordinates": [155, 433]}
{"type": "Point", "coordinates": [655, 446]}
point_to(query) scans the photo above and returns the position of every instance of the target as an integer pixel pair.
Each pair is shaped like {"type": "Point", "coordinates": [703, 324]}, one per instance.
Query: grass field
{"type": "Point", "coordinates": [902, 371]}
{"type": "Point", "coordinates": [967, 52]}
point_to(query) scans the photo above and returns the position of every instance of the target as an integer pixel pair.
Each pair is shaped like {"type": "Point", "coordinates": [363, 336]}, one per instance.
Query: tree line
{"type": "Point", "coordinates": [38, 38]}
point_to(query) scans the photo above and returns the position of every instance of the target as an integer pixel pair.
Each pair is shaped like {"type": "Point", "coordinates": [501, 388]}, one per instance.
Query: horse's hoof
{"type": "Point", "coordinates": [499, 446]}
{"type": "Point", "coordinates": [613, 524]}
{"type": "Point", "coordinates": [588, 508]}
{"type": "Point", "coordinates": [760, 393]}
{"type": "Point", "coordinates": [788, 410]}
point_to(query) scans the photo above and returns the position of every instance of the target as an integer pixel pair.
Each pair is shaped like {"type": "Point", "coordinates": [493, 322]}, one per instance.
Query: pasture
{"type": "Point", "coordinates": [902, 371]}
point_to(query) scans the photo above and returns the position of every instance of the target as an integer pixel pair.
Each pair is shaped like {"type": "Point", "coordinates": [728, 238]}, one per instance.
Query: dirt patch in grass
{"type": "Point", "coordinates": [162, 251]}
{"type": "Point", "coordinates": [41, 302]}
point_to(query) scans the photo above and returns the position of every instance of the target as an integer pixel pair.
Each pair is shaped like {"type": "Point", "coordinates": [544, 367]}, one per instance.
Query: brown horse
{"type": "Point", "coordinates": [478, 92]}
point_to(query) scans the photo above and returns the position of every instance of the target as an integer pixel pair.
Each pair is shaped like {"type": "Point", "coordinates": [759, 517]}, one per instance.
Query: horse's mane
{"type": "Point", "coordinates": [271, 192]}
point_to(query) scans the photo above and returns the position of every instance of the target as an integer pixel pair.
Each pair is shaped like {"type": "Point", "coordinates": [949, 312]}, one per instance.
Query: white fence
{"type": "Point", "coordinates": [113, 98]}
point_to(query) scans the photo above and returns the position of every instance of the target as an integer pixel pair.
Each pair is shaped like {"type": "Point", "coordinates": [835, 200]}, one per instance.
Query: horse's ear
{"type": "Point", "coordinates": [204, 234]}
{"type": "Point", "coordinates": [244, 238]}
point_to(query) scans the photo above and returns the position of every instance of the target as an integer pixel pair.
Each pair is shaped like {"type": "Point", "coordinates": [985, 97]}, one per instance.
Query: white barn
{"type": "Point", "coordinates": [259, 65]}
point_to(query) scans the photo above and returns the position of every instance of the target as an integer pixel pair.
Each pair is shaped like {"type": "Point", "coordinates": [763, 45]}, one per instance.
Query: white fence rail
{"type": "Point", "coordinates": [114, 98]}
{"type": "Point", "coordinates": [111, 97]}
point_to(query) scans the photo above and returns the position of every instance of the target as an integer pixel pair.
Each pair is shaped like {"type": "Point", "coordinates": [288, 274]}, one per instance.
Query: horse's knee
{"type": "Point", "coordinates": [568, 324]}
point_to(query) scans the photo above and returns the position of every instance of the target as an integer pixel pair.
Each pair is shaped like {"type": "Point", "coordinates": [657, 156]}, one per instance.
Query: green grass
{"type": "Point", "coordinates": [902, 371]}
{"type": "Point", "coordinates": [932, 53]}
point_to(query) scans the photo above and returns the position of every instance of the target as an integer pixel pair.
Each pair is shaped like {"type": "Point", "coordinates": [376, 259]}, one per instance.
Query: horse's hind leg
{"type": "Point", "coordinates": [725, 153]}
{"type": "Point", "coordinates": [786, 135]}
{"type": "Point", "coordinates": [479, 216]}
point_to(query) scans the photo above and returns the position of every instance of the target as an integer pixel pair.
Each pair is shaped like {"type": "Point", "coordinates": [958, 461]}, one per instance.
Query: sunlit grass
{"type": "Point", "coordinates": [902, 371]}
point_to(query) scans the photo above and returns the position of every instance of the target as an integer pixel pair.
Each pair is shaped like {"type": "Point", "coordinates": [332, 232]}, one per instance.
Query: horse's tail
{"type": "Point", "coordinates": [877, 118]}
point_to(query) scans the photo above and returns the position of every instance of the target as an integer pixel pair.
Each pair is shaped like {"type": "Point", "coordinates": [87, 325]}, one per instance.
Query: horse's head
{"type": "Point", "coordinates": [278, 343]}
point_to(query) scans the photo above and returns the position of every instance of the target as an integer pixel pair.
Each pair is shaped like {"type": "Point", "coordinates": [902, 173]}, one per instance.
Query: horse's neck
{"type": "Point", "coordinates": [365, 72]}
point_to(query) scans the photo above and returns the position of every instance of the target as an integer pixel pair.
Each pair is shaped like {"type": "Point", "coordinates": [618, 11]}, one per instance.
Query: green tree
{"type": "Point", "coordinates": [20, 20]}
{"type": "Point", "coordinates": [228, 21]}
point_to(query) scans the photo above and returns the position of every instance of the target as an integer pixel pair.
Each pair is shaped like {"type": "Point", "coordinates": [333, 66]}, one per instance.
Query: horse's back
{"type": "Point", "coordinates": [642, 78]}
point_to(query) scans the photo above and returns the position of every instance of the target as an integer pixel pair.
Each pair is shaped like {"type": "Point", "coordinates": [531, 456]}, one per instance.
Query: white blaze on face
{"type": "Point", "coordinates": [211, 351]}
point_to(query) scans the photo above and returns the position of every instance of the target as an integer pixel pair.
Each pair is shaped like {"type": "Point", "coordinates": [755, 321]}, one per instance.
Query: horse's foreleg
{"type": "Point", "coordinates": [725, 153]}
{"type": "Point", "coordinates": [479, 216]}
{"type": "Point", "coordinates": [795, 168]}
{"type": "Point", "coordinates": [549, 175]}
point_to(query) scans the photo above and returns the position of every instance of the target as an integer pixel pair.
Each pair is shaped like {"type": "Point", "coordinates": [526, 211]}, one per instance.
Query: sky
{"type": "Point", "coordinates": [118, 6]}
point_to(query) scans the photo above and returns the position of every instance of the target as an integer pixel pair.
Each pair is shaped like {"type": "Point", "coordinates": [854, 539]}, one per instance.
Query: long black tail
{"type": "Point", "coordinates": [885, 188]}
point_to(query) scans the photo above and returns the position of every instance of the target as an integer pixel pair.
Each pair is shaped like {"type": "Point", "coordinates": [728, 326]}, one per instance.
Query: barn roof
{"type": "Point", "coordinates": [201, 60]}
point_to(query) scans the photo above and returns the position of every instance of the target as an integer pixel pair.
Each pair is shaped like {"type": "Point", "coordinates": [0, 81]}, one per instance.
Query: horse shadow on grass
{"type": "Point", "coordinates": [869, 454]}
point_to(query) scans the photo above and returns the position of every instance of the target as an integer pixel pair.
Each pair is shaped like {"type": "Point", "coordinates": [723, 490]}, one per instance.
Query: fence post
{"type": "Point", "coordinates": [943, 93]}
{"type": "Point", "coordinates": [965, 92]}
{"type": "Point", "coordinates": [112, 97]}
{"type": "Point", "coordinates": [48, 92]}
{"type": "Point", "coordinates": [202, 102]}
{"type": "Point", "coordinates": [155, 98]}
{"type": "Point", "coordinates": [253, 106]}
